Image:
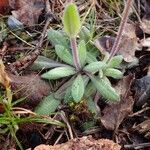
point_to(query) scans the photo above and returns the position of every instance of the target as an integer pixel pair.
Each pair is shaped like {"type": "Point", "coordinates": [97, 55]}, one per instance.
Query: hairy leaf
{"type": "Point", "coordinates": [59, 72]}
{"type": "Point", "coordinates": [45, 63]}
{"type": "Point", "coordinates": [60, 93]}
{"type": "Point", "coordinates": [68, 97]}
{"type": "Point", "coordinates": [57, 38]}
{"type": "Point", "coordinates": [90, 58]}
{"type": "Point", "coordinates": [47, 106]}
{"type": "Point", "coordinates": [92, 106]}
{"type": "Point", "coordinates": [85, 34]}
{"type": "Point", "coordinates": [114, 73]}
{"type": "Point", "coordinates": [71, 20]}
{"type": "Point", "coordinates": [82, 52]}
{"type": "Point", "coordinates": [64, 54]}
{"type": "Point", "coordinates": [77, 89]}
{"type": "Point", "coordinates": [105, 89]}
{"type": "Point", "coordinates": [95, 66]}
{"type": "Point", "coordinates": [116, 61]}
{"type": "Point", "coordinates": [90, 89]}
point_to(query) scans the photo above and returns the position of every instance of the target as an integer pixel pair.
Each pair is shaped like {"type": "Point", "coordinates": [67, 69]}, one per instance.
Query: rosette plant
{"type": "Point", "coordinates": [85, 73]}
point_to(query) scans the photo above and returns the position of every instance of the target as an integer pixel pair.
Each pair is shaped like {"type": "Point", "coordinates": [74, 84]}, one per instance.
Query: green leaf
{"type": "Point", "coordinates": [105, 89]}
{"type": "Point", "coordinates": [90, 90]}
{"type": "Point", "coordinates": [92, 106]}
{"type": "Point", "coordinates": [71, 20]}
{"type": "Point", "coordinates": [77, 89]}
{"type": "Point", "coordinates": [82, 52]}
{"type": "Point", "coordinates": [47, 106]}
{"type": "Point", "coordinates": [114, 73]}
{"type": "Point", "coordinates": [107, 80]}
{"type": "Point", "coordinates": [95, 66]}
{"type": "Point", "coordinates": [115, 61]}
{"type": "Point", "coordinates": [85, 80]}
{"type": "Point", "coordinates": [90, 57]}
{"type": "Point", "coordinates": [45, 63]}
{"type": "Point", "coordinates": [60, 93]}
{"type": "Point", "coordinates": [59, 72]}
{"type": "Point", "coordinates": [64, 54]}
{"type": "Point", "coordinates": [85, 34]}
{"type": "Point", "coordinates": [68, 97]}
{"type": "Point", "coordinates": [86, 126]}
{"type": "Point", "coordinates": [3, 30]}
{"type": "Point", "coordinates": [47, 120]}
{"type": "Point", "coordinates": [106, 56]}
{"type": "Point", "coordinates": [57, 38]}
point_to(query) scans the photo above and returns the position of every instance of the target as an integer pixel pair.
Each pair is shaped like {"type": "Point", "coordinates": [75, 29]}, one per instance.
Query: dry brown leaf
{"type": "Point", "coordinates": [4, 79]}
{"type": "Point", "coordinates": [128, 45]}
{"type": "Point", "coordinates": [30, 86]}
{"type": "Point", "coordinates": [114, 114]}
{"type": "Point", "coordinates": [142, 90]}
{"type": "Point", "coordinates": [84, 143]}
{"type": "Point", "coordinates": [105, 43]}
{"type": "Point", "coordinates": [27, 11]}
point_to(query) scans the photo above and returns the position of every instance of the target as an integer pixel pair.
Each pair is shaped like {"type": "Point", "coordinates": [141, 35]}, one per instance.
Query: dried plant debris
{"type": "Point", "coordinates": [84, 143]}
{"type": "Point", "coordinates": [4, 78]}
{"type": "Point", "coordinates": [142, 90]}
{"type": "Point", "coordinates": [143, 127]}
{"type": "Point", "coordinates": [114, 114]}
{"type": "Point", "coordinates": [26, 11]}
{"type": "Point", "coordinates": [128, 45]}
{"type": "Point", "coordinates": [31, 87]}
{"type": "Point", "coordinates": [4, 6]}
{"type": "Point", "coordinates": [145, 24]}
{"type": "Point", "coordinates": [145, 43]}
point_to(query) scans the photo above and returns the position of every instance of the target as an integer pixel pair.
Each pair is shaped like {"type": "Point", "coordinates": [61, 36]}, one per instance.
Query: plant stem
{"type": "Point", "coordinates": [75, 53]}
{"type": "Point", "coordinates": [116, 44]}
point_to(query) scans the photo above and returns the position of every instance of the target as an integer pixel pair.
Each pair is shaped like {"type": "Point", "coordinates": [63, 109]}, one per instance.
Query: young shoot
{"type": "Point", "coordinates": [72, 25]}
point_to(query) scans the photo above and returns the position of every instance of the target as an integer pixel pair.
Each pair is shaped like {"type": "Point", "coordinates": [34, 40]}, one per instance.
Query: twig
{"type": "Point", "coordinates": [63, 115]}
{"type": "Point", "coordinates": [58, 139]}
{"type": "Point", "coordinates": [116, 45]}
{"type": "Point", "coordinates": [137, 146]}
{"type": "Point", "coordinates": [139, 112]}
{"type": "Point", "coordinates": [3, 50]}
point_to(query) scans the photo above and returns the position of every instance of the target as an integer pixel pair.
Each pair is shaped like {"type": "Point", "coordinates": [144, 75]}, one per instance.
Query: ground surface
{"type": "Point", "coordinates": [127, 122]}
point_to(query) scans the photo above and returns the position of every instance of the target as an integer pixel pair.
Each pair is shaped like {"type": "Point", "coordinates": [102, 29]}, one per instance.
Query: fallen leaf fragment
{"type": "Point", "coordinates": [105, 43]}
{"type": "Point", "coordinates": [84, 143]}
{"type": "Point", "coordinates": [142, 90]}
{"type": "Point", "coordinates": [127, 47]}
{"type": "Point", "coordinates": [26, 11]}
{"type": "Point", "coordinates": [114, 114]}
{"type": "Point", "coordinates": [31, 87]}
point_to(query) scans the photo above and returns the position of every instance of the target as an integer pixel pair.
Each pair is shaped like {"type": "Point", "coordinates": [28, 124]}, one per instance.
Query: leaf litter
{"type": "Point", "coordinates": [127, 47]}
{"type": "Point", "coordinates": [121, 110]}
{"type": "Point", "coordinates": [26, 11]}
{"type": "Point", "coordinates": [128, 119]}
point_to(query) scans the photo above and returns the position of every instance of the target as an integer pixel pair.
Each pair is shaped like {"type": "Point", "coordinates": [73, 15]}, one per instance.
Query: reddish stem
{"type": "Point", "coordinates": [116, 44]}
{"type": "Point", "coordinates": [75, 53]}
